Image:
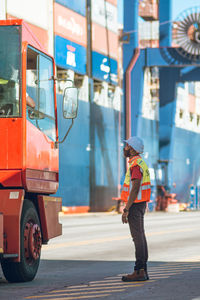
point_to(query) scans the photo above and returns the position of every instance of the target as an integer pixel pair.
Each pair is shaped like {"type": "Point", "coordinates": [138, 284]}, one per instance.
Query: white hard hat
{"type": "Point", "coordinates": [136, 143]}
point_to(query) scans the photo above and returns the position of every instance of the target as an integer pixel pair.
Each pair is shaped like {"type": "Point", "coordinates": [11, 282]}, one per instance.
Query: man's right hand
{"type": "Point", "coordinates": [125, 217]}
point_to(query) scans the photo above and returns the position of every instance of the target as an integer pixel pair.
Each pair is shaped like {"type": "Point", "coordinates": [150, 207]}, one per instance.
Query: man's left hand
{"type": "Point", "coordinates": [125, 217]}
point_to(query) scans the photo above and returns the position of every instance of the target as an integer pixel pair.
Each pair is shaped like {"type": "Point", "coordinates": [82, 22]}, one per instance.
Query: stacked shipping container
{"type": "Point", "coordinates": [94, 141]}
{"type": "Point", "coordinates": [89, 158]}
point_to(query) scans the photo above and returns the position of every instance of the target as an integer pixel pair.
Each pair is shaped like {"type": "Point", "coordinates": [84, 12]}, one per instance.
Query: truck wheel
{"type": "Point", "coordinates": [31, 243]}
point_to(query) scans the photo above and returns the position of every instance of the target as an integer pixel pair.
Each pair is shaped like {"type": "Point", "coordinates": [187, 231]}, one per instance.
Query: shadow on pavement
{"type": "Point", "coordinates": [62, 279]}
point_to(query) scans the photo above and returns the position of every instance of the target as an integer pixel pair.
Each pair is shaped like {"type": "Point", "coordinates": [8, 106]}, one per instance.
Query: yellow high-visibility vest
{"type": "Point", "coordinates": [145, 187]}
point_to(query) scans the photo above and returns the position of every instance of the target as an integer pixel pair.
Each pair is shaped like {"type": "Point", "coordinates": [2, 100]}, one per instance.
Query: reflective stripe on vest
{"type": "Point", "coordinates": [145, 187]}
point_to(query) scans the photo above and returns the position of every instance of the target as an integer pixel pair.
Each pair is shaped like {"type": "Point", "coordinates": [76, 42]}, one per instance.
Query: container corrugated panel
{"type": "Point", "coordinates": [104, 68]}
{"type": "Point", "coordinates": [178, 146]}
{"type": "Point", "coordinates": [70, 25]}
{"type": "Point", "coordinates": [185, 160]}
{"type": "Point", "coordinates": [182, 97]}
{"type": "Point", "coordinates": [2, 10]}
{"type": "Point", "coordinates": [197, 89]}
{"type": "Point", "coordinates": [114, 2]}
{"type": "Point", "coordinates": [104, 156]}
{"type": "Point", "coordinates": [104, 41]}
{"type": "Point", "coordinates": [70, 55]}
{"type": "Point", "coordinates": [34, 12]}
{"type": "Point", "coordinates": [74, 186]}
{"type": "Point", "coordinates": [149, 30]}
{"type": "Point", "coordinates": [77, 5]}
{"type": "Point", "coordinates": [191, 88]}
{"type": "Point", "coordinates": [101, 9]}
{"type": "Point", "coordinates": [89, 158]}
{"type": "Point", "coordinates": [197, 105]}
{"type": "Point", "coordinates": [148, 131]}
{"type": "Point", "coordinates": [192, 103]}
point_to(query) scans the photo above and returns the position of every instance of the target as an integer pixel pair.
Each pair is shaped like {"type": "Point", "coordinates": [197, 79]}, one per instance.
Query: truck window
{"type": "Point", "coordinates": [40, 92]}
{"type": "Point", "coordinates": [10, 71]}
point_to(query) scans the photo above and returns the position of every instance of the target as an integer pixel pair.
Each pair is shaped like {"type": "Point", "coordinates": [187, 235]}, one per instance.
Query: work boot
{"type": "Point", "coordinates": [146, 274]}
{"type": "Point", "coordinates": [138, 275]}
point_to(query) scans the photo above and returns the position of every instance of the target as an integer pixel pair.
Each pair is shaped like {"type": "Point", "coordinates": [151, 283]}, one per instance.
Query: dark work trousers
{"type": "Point", "coordinates": [136, 224]}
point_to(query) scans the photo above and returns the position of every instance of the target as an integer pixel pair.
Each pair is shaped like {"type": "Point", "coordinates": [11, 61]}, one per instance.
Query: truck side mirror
{"type": "Point", "coordinates": [70, 103]}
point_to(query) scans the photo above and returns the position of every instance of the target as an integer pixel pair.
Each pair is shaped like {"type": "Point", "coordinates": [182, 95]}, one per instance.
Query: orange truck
{"type": "Point", "coordinates": [29, 149]}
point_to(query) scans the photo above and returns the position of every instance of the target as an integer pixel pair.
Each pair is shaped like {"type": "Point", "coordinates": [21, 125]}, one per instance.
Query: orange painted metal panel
{"type": "Point", "coordinates": [43, 175]}
{"type": "Point", "coordinates": [10, 178]}
{"type": "Point", "coordinates": [49, 207]}
{"type": "Point", "coordinates": [75, 209]}
{"type": "Point", "coordinates": [41, 151]}
{"type": "Point", "coordinates": [11, 140]}
{"type": "Point", "coordinates": [1, 233]}
{"type": "Point", "coordinates": [70, 25]}
{"type": "Point", "coordinates": [192, 103]}
{"type": "Point", "coordinates": [99, 41]}
{"type": "Point", "coordinates": [11, 202]}
{"type": "Point", "coordinates": [39, 183]}
{"type": "Point", "coordinates": [11, 22]}
{"type": "Point", "coordinates": [31, 39]}
{"type": "Point", "coordinates": [24, 145]}
{"type": "Point", "coordinates": [41, 35]}
{"type": "Point", "coordinates": [42, 155]}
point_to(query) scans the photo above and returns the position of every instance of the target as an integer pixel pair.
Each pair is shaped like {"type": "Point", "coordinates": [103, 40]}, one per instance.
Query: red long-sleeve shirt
{"type": "Point", "coordinates": [136, 173]}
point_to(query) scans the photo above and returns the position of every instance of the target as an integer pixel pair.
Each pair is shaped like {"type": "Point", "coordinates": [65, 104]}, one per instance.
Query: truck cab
{"type": "Point", "coordinates": [29, 168]}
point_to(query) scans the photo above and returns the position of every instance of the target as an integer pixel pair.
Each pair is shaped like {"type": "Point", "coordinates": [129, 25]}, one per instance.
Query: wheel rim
{"type": "Point", "coordinates": [32, 241]}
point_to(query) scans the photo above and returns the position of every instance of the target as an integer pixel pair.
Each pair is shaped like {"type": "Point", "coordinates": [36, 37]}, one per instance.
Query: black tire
{"type": "Point", "coordinates": [24, 270]}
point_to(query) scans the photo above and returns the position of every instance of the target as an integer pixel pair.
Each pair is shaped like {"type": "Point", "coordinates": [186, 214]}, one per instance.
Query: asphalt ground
{"type": "Point", "coordinates": [87, 262]}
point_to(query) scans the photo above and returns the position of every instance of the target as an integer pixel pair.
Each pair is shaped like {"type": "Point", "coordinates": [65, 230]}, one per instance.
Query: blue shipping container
{"type": "Point", "coordinates": [78, 6]}
{"type": "Point", "coordinates": [69, 55]}
{"type": "Point", "coordinates": [74, 162]}
{"type": "Point", "coordinates": [104, 68]}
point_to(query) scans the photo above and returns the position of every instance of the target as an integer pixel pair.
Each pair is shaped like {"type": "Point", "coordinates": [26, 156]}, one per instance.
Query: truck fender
{"type": "Point", "coordinates": [49, 208]}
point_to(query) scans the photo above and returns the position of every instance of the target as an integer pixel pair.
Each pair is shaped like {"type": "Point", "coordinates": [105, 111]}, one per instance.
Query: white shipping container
{"type": "Point", "coordinates": [100, 11]}
{"type": "Point", "coordinates": [117, 99]}
{"type": "Point", "coordinates": [178, 119]}
{"type": "Point", "coordinates": [101, 95]}
{"type": "Point", "coordinates": [83, 90]}
{"type": "Point", "coordinates": [34, 12]}
{"type": "Point", "coordinates": [149, 30]}
{"type": "Point", "coordinates": [150, 107]}
{"type": "Point", "coordinates": [50, 28]}
{"type": "Point", "coordinates": [186, 88]}
{"type": "Point", "coordinates": [197, 108]}
{"type": "Point", "coordinates": [2, 9]}
{"type": "Point", "coordinates": [141, 31]}
{"type": "Point", "coordinates": [145, 31]}
{"type": "Point", "coordinates": [155, 30]}
{"type": "Point", "coordinates": [182, 98]}
{"type": "Point", "coordinates": [197, 89]}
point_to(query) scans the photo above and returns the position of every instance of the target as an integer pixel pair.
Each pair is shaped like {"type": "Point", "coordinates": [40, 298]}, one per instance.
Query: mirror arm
{"type": "Point", "coordinates": [60, 142]}
{"type": "Point", "coordinates": [62, 79]}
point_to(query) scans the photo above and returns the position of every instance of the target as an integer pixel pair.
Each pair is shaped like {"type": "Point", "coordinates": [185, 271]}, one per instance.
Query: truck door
{"type": "Point", "coordinates": [41, 127]}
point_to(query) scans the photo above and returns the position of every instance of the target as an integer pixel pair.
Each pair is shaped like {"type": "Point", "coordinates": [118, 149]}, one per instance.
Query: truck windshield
{"type": "Point", "coordinates": [10, 71]}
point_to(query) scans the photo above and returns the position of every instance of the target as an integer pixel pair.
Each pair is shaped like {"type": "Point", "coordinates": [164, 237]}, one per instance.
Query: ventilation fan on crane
{"type": "Point", "coordinates": [186, 33]}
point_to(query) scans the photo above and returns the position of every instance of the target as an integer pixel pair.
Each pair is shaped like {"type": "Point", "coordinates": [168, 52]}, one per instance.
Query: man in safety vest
{"type": "Point", "coordinates": [136, 193]}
